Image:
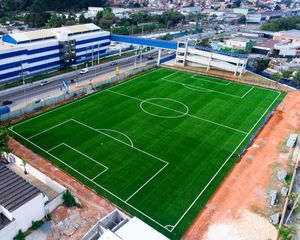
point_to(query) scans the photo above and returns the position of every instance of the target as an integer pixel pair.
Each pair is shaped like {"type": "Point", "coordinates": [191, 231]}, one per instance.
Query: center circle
{"type": "Point", "coordinates": [164, 108]}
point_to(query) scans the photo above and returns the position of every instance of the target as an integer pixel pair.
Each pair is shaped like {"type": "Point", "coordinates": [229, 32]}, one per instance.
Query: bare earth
{"type": "Point", "coordinates": [239, 208]}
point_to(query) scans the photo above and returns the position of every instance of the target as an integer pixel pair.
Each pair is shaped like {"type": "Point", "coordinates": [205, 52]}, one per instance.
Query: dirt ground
{"type": "Point", "coordinates": [243, 195]}
{"type": "Point", "coordinates": [67, 223]}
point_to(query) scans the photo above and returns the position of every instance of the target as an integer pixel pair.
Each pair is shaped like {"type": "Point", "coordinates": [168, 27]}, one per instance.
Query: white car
{"type": "Point", "coordinates": [84, 70]}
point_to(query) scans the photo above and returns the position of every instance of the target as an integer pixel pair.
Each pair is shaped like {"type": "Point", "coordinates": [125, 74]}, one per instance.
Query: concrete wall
{"type": "Point", "coordinates": [37, 174]}
{"type": "Point", "coordinates": [9, 232]}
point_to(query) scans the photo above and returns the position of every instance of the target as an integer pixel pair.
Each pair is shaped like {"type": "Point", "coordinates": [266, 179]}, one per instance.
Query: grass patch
{"type": "Point", "coordinates": [157, 145]}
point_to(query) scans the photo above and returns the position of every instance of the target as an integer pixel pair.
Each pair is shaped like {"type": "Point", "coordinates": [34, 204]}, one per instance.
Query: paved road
{"type": "Point", "coordinates": [36, 91]}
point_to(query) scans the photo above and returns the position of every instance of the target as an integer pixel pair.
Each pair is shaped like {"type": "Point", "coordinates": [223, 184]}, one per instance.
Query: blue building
{"type": "Point", "coordinates": [30, 53]}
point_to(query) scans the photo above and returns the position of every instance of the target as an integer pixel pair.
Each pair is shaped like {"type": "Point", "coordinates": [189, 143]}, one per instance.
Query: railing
{"type": "Point", "coordinates": [67, 96]}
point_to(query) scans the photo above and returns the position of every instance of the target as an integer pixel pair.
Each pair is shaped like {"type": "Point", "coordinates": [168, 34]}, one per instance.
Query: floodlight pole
{"type": "Point", "coordinates": [24, 84]}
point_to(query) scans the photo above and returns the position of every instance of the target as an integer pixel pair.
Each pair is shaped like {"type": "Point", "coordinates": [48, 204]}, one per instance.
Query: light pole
{"type": "Point", "coordinates": [23, 80]}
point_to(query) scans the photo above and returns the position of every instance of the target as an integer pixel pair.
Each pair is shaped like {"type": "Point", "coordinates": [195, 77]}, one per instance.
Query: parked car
{"type": "Point", "coordinates": [113, 63]}
{"type": "Point", "coordinates": [7, 102]}
{"type": "Point", "coordinates": [150, 58]}
{"type": "Point", "coordinates": [43, 83]}
{"type": "Point", "coordinates": [84, 70]}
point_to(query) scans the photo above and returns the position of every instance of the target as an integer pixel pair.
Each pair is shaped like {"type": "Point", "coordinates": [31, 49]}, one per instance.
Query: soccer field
{"type": "Point", "coordinates": [157, 145]}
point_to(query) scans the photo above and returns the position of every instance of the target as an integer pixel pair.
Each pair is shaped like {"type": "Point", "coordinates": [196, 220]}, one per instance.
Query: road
{"type": "Point", "coordinates": [20, 96]}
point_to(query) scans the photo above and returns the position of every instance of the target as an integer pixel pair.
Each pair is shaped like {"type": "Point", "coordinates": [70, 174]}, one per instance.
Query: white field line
{"type": "Point", "coordinates": [170, 75]}
{"type": "Point", "coordinates": [112, 130]}
{"type": "Point", "coordinates": [118, 140]}
{"type": "Point", "coordinates": [225, 162]}
{"type": "Point", "coordinates": [54, 147]}
{"type": "Point", "coordinates": [98, 163]}
{"type": "Point", "coordinates": [99, 174]}
{"type": "Point", "coordinates": [81, 99]}
{"type": "Point", "coordinates": [194, 89]}
{"type": "Point", "coordinates": [57, 125]}
{"type": "Point", "coordinates": [223, 93]}
{"type": "Point", "coordinates": [146, 183]}
{"type": "Point", "coordinates": [247, 92]}
{"type": "Point", "coordinates": [198, 77]}
{"type": "Point", "coordinates": [156, 222]}
{"type": "Point", "coordinates": [174, 110]}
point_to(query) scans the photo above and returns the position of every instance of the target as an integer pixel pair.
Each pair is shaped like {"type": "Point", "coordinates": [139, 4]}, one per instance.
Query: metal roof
{"type": "Point", "coordinates": [32, 35]}
{"type": "Point", "coordinates": [14, 190]}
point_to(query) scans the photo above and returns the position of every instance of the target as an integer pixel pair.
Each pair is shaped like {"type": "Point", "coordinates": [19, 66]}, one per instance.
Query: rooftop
{"type": "Point", "coordinates": [15, 191]}
{"type": "Point", "coordinates": [293, 33]}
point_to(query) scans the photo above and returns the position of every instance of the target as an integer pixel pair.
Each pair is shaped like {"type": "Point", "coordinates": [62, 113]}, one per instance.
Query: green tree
{"type": "Point", "coordinates": [3, 139]}
{"type": "Point", "coordinates": [286, 74]}
{"type": "Point", "coordinates": [20, 236]}
{"type": "Point", "coordinates": [55, 21]}
{"type": "Point", "coordinates": [276, 76]}
{"type": "Point", "coordinates": [261, 64]}
{"type": "Point", "coordinates": [204, 43]}
{"type": "Point", "coordinates": [277, 7]}
{"type": "Point", "coordinates": [296, 77]}
{"type": "Point", "coordinates": [287, 232]}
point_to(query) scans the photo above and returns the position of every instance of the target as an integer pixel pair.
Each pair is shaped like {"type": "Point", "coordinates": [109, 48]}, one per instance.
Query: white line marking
{"type": "Point", "coordinates": [194, 86]}
{"type": "Point", "coordinates": [202, 119]}
{"type": "Point", "coordinates": [91, 180]}
{"type": "Point", "coordinates": [57, 125]}
{"type": "Point", "coordinates": [161, 116]}
{"type": "Point", "coordinates": [83, 98]}
{"type": "Point", "coordinates": [146, 183]}
{"type": "Point", "coordinates": [170, 75]}
{"type": "Point", "coordinates": [195, 89]}
{"type": "Point", "coordinates": [98, 163]}
{"type": "Point", "coordinates": [225, 162]}
{"type": "Point", "coordinates": [53, 147]}
{"type": "Point", "coordinates": [199, 77]}
{"type": "Point", "coordinates": [247, 92]}
{"type": "Point", "coordinates": [112, 130]}
{"type": "Point", "coordinates": [166, 226]}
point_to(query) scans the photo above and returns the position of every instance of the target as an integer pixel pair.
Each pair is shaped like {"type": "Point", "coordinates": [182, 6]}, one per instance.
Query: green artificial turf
{"type": "Point", "coordinates": [157, 145]}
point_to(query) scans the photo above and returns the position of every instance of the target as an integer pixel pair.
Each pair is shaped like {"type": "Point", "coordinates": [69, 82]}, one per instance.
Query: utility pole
{"type": "Point", "coordinates": [24, 84]}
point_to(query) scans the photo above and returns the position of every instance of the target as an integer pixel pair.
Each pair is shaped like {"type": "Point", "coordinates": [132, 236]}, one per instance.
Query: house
{"type": "Point", "coordinates": [288, 36]}
{"type": "Point", "coordinates": [20, 204]}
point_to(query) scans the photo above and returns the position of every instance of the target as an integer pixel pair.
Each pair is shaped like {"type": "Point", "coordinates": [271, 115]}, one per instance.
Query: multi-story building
{"type": "Point", "coordinates": [30, 53]}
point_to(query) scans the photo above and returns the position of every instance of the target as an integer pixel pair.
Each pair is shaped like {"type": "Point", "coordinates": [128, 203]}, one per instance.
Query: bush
{"type": "Point", "coordinates": [36, 224]}
{"type": "Point", "coordinates": [20, 236]}
{"type": "Point", "coordinates": [69, 200]}
{"type": "Point", "coordinates": [287, 232]}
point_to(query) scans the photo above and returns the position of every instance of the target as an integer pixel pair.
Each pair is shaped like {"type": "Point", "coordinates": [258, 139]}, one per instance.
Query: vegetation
{"type": "Point", "coordinates": [287, 74]}
{"type": "Point", "coordinates": [69, 200]}
{"type": "Point", "coordinates": [287, 232]}
{"type": "Point", "coordinates": [36, 224]}
{"type": "Point", "coordinates": [204, 43]}
{"type": "Point", "coordinates": [3, 139]}
{"type": "Point", "coordinates": [20, 235]}
{"type": "Point", "coordinates": [261, 64]}
{"type": "Point", "coordinates": [86, 152]}
{"type": "Point", "coordinates": [286, 23]}
{"type": "Point", "coordinates": [296, 77]}
{"type": "Point", "coordinates": [276, 76]}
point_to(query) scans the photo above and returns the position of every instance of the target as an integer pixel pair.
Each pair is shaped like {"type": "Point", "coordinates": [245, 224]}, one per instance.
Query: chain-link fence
{"type": "Point", "coordinates": [64, 97]}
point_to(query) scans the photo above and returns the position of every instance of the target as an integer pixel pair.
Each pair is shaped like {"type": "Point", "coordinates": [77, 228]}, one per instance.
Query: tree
{"type": "Point", "coordinates": [276, 76]}
{"type": "Point", "coordinates": [296, 77]}
{"type": "Point", "coordinates": [261, 64]}
{"type": "Point", "coordinates": [205, 42]}
{"type": "Point", "coordinates": [286, 23]}
{"type": "Point", "coordinates": [277, 7]}
{"type": "Point", "coordinates": [286, 74]}
{"type": "Point", "coordinates": [55, 21]}
{"type": "Point", "coordinates": [3, 139]}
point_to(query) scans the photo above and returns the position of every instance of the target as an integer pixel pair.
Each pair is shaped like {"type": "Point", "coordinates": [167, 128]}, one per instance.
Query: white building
{"type": "Point", "coordinates": [118, 226]}
{"type": "Point", "coordinates": [41, 51]}
{"type": "Point", "coordinates": [209, 59]}
{"type": "Point", "coordinates": [20, 204]}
